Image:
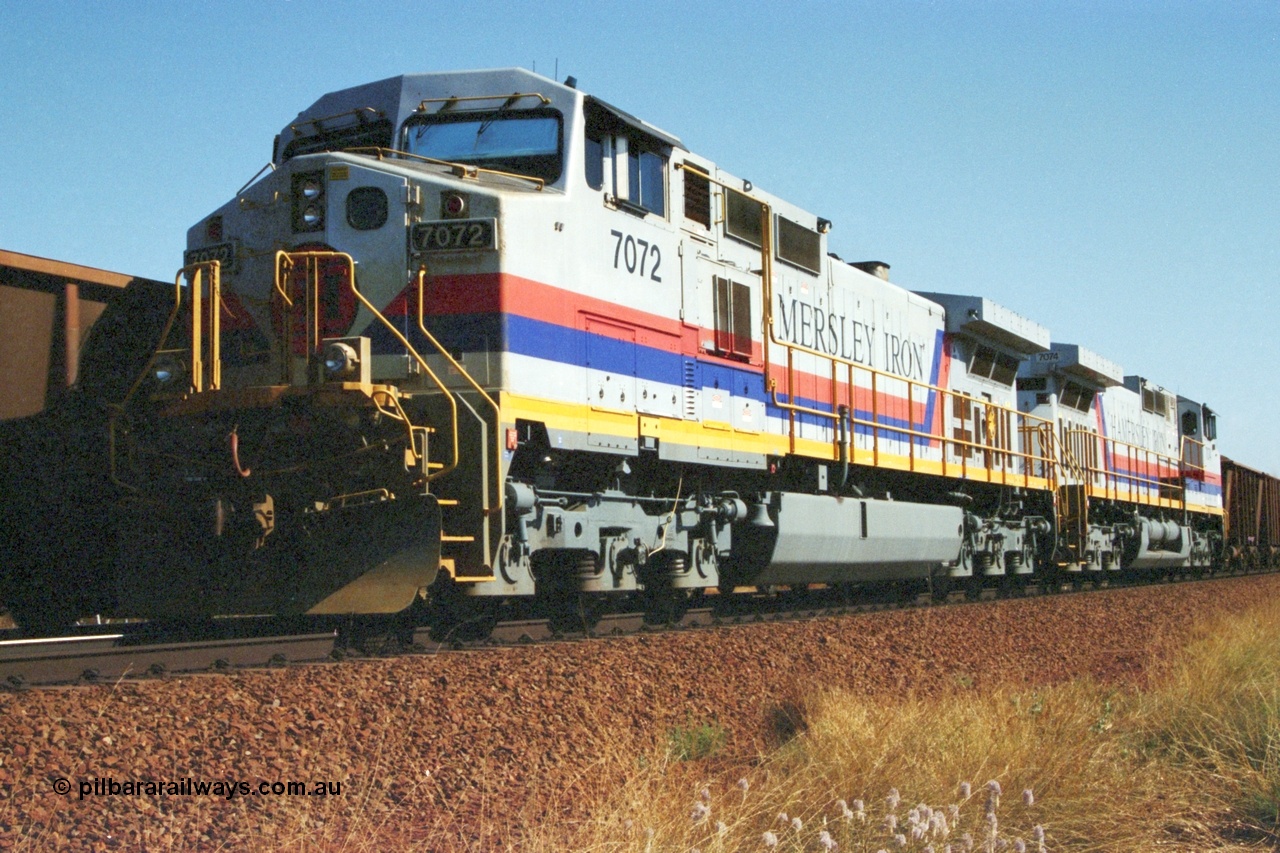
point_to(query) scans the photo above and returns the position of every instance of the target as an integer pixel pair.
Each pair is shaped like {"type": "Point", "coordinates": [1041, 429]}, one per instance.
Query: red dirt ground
{"type": "Point", "coordinates": [458, 751]}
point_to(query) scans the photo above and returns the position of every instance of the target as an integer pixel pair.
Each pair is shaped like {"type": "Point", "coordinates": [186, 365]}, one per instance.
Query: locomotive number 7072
{"type": "Point", "coordinates": [452, 235]}
{"type": "Point", "coordinates": [634, 255]}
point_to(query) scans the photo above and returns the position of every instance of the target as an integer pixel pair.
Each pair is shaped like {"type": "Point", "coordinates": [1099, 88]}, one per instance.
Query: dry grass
{"type": "Point", "coordinates": [1191, 762]}
{"type": "Point", "coordinates": [1216, 717]}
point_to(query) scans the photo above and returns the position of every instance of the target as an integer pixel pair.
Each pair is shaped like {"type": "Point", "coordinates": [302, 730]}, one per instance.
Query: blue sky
{"type": "Point", "coordinates": [1110, 169]}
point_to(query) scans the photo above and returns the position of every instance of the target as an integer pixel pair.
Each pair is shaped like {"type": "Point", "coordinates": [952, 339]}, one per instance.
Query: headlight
{"type": "Point", "coordinates": [346, 360]}
{"type": "Point", "coordinates": [168, 370]}
{"type": "Point", "coordinates": [340, 360]}
{"type": "Point", "coordinates": [309, 186]}
{"type": "Point", "coordinates": [308, 201]}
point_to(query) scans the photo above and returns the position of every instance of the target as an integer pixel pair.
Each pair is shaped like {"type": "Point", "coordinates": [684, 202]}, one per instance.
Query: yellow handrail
{"type": "Point", "coordinates": [461, 170]}
{"type": "Point", "coordinates": [1135, 454]}
{"type": "Point", "coordinates": [1067, 459]}
{"type": "Point", "coordinates": [514, 96]}
{"type": "Point", "coordinates": [194, 350]}
{"type": "Point", "coordinates": [358, 112]}
{"type": "Point", "coordinates": [1192, 456]}
{"type": "Point", "coordinates": [945, 398]}
{"type": "Point", "coordinates": [215, 325]}
{"type": "Point", "coordinates": [497, 412]}
{"type": "Point", "coordinates": [285, 261]}
{"type": "Point", "coordinates": [790, 347]}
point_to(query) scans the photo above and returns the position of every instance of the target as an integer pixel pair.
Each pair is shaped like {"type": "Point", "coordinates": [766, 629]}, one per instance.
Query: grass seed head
{"type": "Point", "coordinates": [893, 799]}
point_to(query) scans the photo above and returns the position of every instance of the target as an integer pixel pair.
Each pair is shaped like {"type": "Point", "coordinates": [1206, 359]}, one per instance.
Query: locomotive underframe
{"type": "Point", "coordinates": [575, 522]}
{"type": "Point", "coordinates": [335, 517]}
{"type": "Point", "coordinates": [775, 528]}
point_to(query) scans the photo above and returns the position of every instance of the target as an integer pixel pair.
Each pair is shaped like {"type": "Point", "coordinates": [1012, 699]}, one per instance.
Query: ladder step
{"type": "Point", "coordinates": [447, 501]}
{"type": "Point", "coordinates": [447, 564]}
{"type": "Point", "coordinates": [445, 537]}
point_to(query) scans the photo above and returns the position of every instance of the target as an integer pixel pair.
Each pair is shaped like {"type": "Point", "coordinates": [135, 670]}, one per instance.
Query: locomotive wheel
{"type": "Point", "coordinates": [574, 612]}
{"type": "Point", "coordinates": [585, 614]}
{"type": "Point", "coordinates": [664, 603]}
{"type": "Point", "coordinates": [451, 615]}
{"type": "Point", "coordinates": [1008, 586]}
{"type": "Point", "coordinates": [560, 598]}
{"type": "Point", "coordinates": [940, 586]}
{"type": "Point", "coordinates": [469, 620]}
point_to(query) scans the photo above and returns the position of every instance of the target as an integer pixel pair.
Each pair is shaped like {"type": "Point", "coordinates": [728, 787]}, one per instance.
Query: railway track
{"type": "Point", "coordinates": [747, 610]}
{"type": "Point", "coordinates": [96, 658]}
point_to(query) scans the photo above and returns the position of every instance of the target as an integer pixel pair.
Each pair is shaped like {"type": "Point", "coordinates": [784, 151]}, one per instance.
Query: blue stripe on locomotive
{"type": "Point", "coordinates": [552, 342]}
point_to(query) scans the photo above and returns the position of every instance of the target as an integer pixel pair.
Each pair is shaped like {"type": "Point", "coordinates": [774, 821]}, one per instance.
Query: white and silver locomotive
{"type": "Point", "coordinates": [481, 338]}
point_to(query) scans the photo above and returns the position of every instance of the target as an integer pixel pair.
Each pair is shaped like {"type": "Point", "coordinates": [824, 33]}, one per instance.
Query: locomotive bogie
{"type": "Point", "coordinates": [997, 546]}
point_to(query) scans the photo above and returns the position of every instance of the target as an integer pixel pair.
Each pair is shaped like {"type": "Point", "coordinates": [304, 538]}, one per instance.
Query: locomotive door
{"type": "Point", "coordinates": [695, 296]}
{"type": "Point", "coordinates": [360, 201]}
{"type": "Point", "coordinates": [610, 383]}
{"type": "Point", "coordinates": [724, 303]}
{"type": "Point", "coordinates": [727, 312]}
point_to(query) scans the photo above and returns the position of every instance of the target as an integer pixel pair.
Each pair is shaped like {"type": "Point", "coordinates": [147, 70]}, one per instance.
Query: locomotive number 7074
{"type": "Point", "coordinates": [634, 255]}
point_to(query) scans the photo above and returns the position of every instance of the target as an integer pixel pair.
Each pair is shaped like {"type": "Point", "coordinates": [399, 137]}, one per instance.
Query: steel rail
{"type": "Point", "coordinates": [89, 659]}
{"type": "Point", "coordinates": [752, 608]}
{"type": "Point", "coordinates": [72, 660]}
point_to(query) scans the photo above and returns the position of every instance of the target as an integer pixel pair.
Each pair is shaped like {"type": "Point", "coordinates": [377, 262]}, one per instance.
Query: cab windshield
{"type": "Point", "coordinates": [526, 143]}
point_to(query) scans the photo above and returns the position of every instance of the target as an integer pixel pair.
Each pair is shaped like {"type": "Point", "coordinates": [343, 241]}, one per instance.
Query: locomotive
{"type": "Point", "coordinates": [480, 342]}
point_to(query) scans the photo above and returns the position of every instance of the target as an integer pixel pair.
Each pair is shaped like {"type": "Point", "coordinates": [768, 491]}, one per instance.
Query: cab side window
{"type": "Point", "coordinates": [646, 179]}
{"type": "Point", "coordinates": [629, 165]}
{"type": "Point", "coordinates": [594, 153]}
